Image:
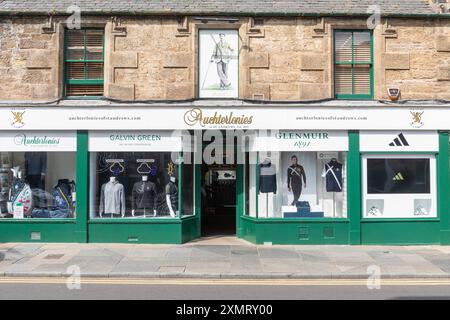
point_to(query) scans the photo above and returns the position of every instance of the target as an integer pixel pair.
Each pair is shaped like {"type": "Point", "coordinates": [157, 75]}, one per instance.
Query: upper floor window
{"type": "Point", "coordinates": [353, 69]}
{"type": "Point", "coordinates": [84, 63]}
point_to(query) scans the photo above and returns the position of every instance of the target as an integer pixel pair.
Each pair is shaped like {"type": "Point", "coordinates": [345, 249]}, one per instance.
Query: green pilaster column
{"type": "Point", "coordinates": [82, 205]}
{"type": "Point", "coordinates": [443, 176]}
{"type": "Point", "coordinates": [240, 198]}
{"type": "Point", "coordinates": [354, 193]}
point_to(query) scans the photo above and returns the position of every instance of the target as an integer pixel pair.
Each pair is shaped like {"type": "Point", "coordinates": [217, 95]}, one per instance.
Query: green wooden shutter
{"type": "Point", "coordinates": [84, 64]}
{"type": "Point", "coordinates": [353, 72]}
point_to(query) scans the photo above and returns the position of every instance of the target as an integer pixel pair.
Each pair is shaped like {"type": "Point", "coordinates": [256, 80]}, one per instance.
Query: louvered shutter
{"type": "Point", "coordinates": [353, 63]}
{"type": "Point", "coordinates": [84, 62]}
{"type": "Point", "coordinates": [362, 59]}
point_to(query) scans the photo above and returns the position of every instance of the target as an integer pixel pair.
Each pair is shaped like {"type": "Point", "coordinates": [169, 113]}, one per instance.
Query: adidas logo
{"type": "Point", "coordinates": [400, 141]}
{"type": "Point", "coordinates": [398, 177]}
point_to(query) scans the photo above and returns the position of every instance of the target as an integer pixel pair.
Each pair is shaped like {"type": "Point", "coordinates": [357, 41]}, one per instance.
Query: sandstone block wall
{"type": "Point", "coordinates": [288, 59]}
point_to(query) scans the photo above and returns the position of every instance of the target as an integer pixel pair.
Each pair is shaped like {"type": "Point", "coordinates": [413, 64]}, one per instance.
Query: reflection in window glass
{"type": "Point", "coordinates": [37, 185]}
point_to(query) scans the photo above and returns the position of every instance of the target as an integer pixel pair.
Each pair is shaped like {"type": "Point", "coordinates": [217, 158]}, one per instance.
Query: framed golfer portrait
{"type": "Point", "coordinates": [218, 64]}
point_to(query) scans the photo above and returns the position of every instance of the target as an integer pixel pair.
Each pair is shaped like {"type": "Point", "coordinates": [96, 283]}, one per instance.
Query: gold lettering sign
{"type": "Point", "coordinates": [195, 117]}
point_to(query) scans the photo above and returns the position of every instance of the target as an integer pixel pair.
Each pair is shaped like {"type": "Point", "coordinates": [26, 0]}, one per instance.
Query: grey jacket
{"type": "Point", "coordinates": [112, 198]}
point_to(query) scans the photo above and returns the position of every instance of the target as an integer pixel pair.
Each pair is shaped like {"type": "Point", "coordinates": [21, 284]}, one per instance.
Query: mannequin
{"type": "Point", "coordinates": [143, 197]}
{"type": "Point", "coordinates": [333, 176]}
{"type": "Point", "coordinates": [268, 182]}
{"type": "Point", "coordinates": [333, 179]}
{"type": "Point", "coordinates": [296, 179]}
{"type": "Point", "coordinates": [172, 196]}
{"type": "Point", "coordinates": [36, 169]}
{"type": "Point", "coordinates": [112, 198]}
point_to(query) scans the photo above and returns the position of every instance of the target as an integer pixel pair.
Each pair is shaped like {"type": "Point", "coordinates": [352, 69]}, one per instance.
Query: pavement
{"type": "Point", "coordinates": [223, 258]}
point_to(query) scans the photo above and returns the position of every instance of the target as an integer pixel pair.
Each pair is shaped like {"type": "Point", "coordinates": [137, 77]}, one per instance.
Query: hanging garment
{"type": "Point", "coordinates": [112, 198]}
{"type": "Point", "coordinates": [172, 191]}
{"type": "Point", "coordinates": [333, 176]}
{"type": "Point", "coordinates": [62, 194]}
{"type": "Point", "coordinates": [143, 195]}
{"type": "Point", "coordinates": [267, 178]}
{"type": "Point", "coordinates": [35, 163]}
{"type": "Point", "coordinates": [296, 178]}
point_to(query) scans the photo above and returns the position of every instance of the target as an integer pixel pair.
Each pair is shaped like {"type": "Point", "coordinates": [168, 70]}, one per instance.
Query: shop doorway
{"type": "Point", "coordinates": [218, 216]}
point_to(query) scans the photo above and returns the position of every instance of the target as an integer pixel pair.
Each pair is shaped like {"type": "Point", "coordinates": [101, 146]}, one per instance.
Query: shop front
{"type": "Point", "coordinates": [266, 175]}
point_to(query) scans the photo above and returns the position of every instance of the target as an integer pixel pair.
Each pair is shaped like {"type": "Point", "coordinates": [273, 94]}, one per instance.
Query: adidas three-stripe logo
{"type": "Point", "coordinates": [399, 177]}
{"type": "Point", "coordinates": [400, 141]}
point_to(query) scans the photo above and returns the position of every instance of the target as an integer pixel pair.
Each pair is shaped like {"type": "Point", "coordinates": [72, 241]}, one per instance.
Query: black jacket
{"type": "Point", "coordinates": [295, 175]}
{"type": "Point", "coordinates": [143, 195]}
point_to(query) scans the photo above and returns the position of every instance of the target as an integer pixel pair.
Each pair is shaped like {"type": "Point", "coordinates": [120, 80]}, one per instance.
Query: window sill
{"type": "Point", "coordinates": [297, 220]}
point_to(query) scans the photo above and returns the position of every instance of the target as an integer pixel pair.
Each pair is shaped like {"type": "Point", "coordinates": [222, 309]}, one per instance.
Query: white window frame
{"type": "Point", "coordinates": [400, 206]}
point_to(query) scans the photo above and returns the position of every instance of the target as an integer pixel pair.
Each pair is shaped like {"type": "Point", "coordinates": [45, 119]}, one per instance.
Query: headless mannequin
{"type": "Point", "coordinates": [144, 179]}
{"type": "Point", "coordinates": [112, 180]}
{"type": "Point", "coordinates": [169, 203]}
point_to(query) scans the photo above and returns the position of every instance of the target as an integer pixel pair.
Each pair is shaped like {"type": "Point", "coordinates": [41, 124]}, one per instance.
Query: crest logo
{"type": "Point", "coordinates": [18, 121]}
{"type": "Point", "coordinates": [417, 119]}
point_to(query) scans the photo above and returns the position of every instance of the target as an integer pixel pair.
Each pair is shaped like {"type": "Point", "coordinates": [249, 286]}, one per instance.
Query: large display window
{"type": "Point", "coordinates": [399, 186]}
{"type": "Point", "coordinates": [298, 175]}
{"type": "Point", "coordinates": [139, 175]}
{"type": "Point", "coordinates": [399, 174]}
{"type": "Point", "coordinates": [37, 175]}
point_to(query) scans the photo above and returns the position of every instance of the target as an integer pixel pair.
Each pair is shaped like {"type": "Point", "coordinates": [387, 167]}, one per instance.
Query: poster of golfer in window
{"type": "Point", "coordinates": [218, 64]}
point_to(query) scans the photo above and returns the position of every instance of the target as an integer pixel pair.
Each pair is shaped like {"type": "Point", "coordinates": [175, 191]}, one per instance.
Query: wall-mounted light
{"type": "Point", "coordinates": [212, 19]}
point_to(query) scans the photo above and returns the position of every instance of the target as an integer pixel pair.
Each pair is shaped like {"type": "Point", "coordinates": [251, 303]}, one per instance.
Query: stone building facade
{"type": "Point", "coordinates": [281, 59]}
{"type": "Point", "coordinates": [102, 103]}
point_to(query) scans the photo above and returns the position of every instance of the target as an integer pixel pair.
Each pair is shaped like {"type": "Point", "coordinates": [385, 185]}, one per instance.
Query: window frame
{"type": "Point", "coordinates": [353, 96]}
{"type": "Point", "coordinates": [84, 61]}
{"type": "Point", "coordinates": [434, 211]}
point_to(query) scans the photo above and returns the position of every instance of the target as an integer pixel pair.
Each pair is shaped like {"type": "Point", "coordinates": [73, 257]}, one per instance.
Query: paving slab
{"type": "Point", "coordinates": [223, 259]}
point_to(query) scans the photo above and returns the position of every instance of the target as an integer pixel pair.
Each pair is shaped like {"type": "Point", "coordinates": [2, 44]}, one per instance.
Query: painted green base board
{"type": "Point", "coordinates": [295, 232]}
{"type": "Point", "coordinates": [152, 233]}
{"type": "Point", "coordinates": [38, 232]}
{"type": "Point", "coordinates": [190, 229]}
{"type": "Point", "coordinates": [400, 233]}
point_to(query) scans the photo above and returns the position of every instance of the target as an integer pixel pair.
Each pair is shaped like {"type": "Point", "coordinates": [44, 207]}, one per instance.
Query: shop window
{"type": "Point", "coordinates": [84, 63]}
{"type": "Point", "coordinates": [298, 184]}
{"type": "Point", "coordinates": [139, 184]}
{"type": "Point", "coordinates": [36, 183]}
{"type": "Point", "coordinates": [399, 186]}
{"type": "Point", "coordinates": [353, 70]}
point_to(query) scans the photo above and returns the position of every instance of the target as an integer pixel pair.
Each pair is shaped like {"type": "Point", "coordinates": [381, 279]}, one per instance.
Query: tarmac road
{"type": "Point", "coordinates": [191, 289]}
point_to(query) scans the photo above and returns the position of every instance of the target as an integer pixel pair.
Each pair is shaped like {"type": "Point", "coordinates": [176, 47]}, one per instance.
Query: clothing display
{"type": "Point", "coordinates": [35, 163]}
{"type": "Point", "coordinates": [333, 176]}
{"type": "Point", "coordinates": [112, 198]}
{"type": "Point", "coordinates": [267, 177]}
{"type": "Point", "coordinates": [296, 178]}
{"type": "Point", "coordinates": [143, 195]}
{"type": "Point", "coordinates": [172, 191]}
{"type": "Point", "coordinates": [52, 214]}
{"type": "Point", "coordinates": [63, 194]}
{"type": "Point", "coordinates": [21, 195]}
